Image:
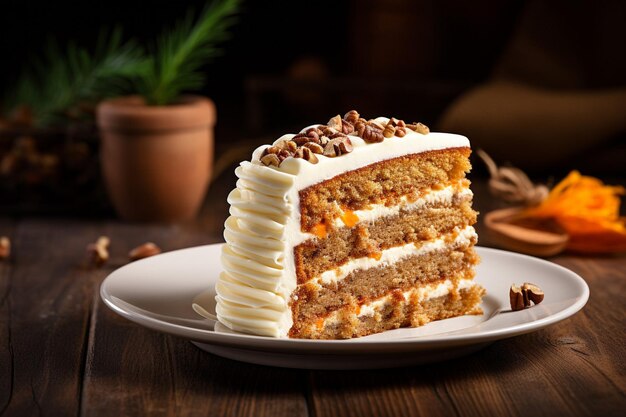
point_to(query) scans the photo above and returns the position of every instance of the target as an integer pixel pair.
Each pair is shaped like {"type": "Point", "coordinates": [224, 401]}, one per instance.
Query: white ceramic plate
{"type": "Point", "coordinates": [158, 293]}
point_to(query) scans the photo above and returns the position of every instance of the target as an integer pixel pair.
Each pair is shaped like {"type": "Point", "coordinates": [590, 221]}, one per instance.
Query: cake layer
{"type": "Point", "coordinates": [385, 182]}
{"type": "Point", "coordinates": [313, 301]}
{"type": "Point", "coordinates": [396, 309]}
{"type": "Point", "coordinates": [447, 196]}
{"type": "Point", "coordinates": [370, 239]}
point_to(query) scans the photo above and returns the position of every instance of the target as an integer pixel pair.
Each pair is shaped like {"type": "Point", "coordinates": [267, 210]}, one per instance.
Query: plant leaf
{"type": "Point", "coordinates": [181, 52]}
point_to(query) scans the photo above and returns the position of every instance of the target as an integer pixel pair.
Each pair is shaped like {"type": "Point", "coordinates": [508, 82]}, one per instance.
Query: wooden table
{"type": "Point", "coordinates": [62, 352]}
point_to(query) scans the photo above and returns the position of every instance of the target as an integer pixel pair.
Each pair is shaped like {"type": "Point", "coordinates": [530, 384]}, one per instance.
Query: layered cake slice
{"type": "Point", "coordinates": [350, 228]}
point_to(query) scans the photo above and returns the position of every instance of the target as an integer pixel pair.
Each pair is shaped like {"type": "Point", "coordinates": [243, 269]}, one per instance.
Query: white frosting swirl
{"type": "Point", "coordinates": [254, 290]}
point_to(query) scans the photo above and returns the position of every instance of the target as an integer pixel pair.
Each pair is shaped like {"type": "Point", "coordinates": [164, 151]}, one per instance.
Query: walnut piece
{"type": "Point", "coordinates": [286, 145]}
{"type": "Point", "coordinates": [373, 122]}
{"type": "Point", "coordinates": [5, 247]}
{"type": "Point", "coordinates": [144, 251]}
{"type": "Point", "coordinates": [270, 159]}
{"type": "Point", "coordinates": [332, 138]}
{"type": "Point", "coordinates": [389, 129]}
{"type": "Point", "coordinates": [98, 252]}
{"type": "Point", "coordinates": [314, 147]}
{"type": "Point", "coordinates": [314, 134]}
{"type": "Point", "coordinates": [372, 133]}
{"type": "Point", "coordinates": [327, 130]}
{"type": "Point", "coordinates": [300, 139]}
{"type": "Point", "coordinates": [335, 123]}
{"type": "Point", "coordinates": [306, 154]}
{"type": "Point", "coordinates": [346, 127]}
{"type": "Point", "coordinates": [521, 297]}
{"type": "Point", "coordinates": [359, 127]}
{"type": "Point", "coordinates": [534, 293]}
{"type": "Point", "coordinates": [351, 117]}
{"type": "Point", "coordinates": [419, 128]}
{"type": "Point", "coordinates": [400, 128]}
{"type": "Point", "coordinates": [274, 155]}
{"type": "Point", "coordinates": [338, 146]}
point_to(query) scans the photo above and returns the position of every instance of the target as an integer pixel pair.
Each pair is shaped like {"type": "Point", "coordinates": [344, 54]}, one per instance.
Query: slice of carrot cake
{"type": "Point", "coordinates": [348, 229]}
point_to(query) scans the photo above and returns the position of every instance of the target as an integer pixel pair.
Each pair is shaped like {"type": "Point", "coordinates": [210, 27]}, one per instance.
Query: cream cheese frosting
{"type": "Point", "coordinates": [259, 275]}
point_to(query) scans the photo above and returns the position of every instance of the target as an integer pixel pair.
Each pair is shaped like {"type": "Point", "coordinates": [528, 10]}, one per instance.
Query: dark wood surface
{"type": "Point", "coordinates": [63, 352]}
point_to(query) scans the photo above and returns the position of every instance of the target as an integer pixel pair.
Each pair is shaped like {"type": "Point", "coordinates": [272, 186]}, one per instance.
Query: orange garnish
{"type": "Point", "coordinates": [320, 323]}
{"type": "Point", "coordinates": [588, 211]}
{"type": "Point", "coordinates": [349, 218]}
{"type": "Point", "coordinates": [358, 310]}
{"type": "Point", "coordinates": [319, 230]}
{"type": "Point", "coordinates": [375, 255]}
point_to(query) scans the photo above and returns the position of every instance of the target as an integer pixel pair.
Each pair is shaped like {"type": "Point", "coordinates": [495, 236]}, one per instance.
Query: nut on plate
{"type": "Point", "coordinates": [5, 247]}
{"type": "Point", "coordinates": [522, 296]}
{"type": "Point", "coordinates": [144, 251]}
{"type": "Point", "coordinates": [98, 252]}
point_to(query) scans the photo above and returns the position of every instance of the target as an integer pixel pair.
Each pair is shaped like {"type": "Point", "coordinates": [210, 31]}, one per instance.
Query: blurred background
{"type": "Point", "coordinates": [539, 84]}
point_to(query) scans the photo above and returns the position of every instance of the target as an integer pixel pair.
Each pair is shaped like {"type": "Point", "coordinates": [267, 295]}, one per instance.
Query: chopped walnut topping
{"type": "Point", "coordinates": [279, 151]}
{"type": "Point", "coordinates": [400, 128]}
{"type": "Point", "coordinates": [360, 127]}
{"type": "Point", "coordinates": [327, 130]}
{"type": "Point", "coordinates": [271, 159]}
{"type": "Point", "coordinates": [419, 128]}
{"type": "Point", "coordinates": [314, 147]}
{"type": "Point", "coordinates": [314, 133]}
{"type": "Point", "coordinates": [300, 139]}
{"type": "Point", "coordinates": [306, 154]}
{"type": "Point", "coordinates": [335, 123]}
{"type": "Point", "coordinates": [287, 145]}
{"type": "Point", "coordinates": [346, 127]}
{"type": "Point", "coordinates": [372, 133]}
{"type": "Point", "coordinates": [337, 135]}
{"type": "Point", "coordinates": [340, 125]}
{"type": "Point", "coordinates": [389, 130]}
{"type": "Point", "coordinates": [351, 117]}
{"type": "Point", "coordinates": [332, 138]}
{"type": "Point", "coordinates": [338, 146]}
{"type": "Point", "coordinates": [373, 122]}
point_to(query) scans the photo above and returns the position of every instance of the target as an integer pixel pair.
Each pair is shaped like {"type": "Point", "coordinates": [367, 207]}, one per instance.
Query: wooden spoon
{"type": "Point", "coordinates": [533, 238]}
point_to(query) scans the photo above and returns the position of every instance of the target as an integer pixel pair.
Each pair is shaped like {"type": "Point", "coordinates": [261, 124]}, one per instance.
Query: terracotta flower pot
{"type": "Point", "coordinates": [156, 160]}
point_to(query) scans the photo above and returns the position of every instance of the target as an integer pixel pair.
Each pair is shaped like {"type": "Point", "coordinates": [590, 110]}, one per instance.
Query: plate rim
{"type": "Point", "coordinates": [352, 346]}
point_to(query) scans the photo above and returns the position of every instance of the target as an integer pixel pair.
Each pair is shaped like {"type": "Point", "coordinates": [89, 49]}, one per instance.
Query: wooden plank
{"type": "Point", "coordinates": [134, 371]}
{"type": "Point", "coordinates": [6, 348]}
{"type": "Point", "coordinates": [47, 309]}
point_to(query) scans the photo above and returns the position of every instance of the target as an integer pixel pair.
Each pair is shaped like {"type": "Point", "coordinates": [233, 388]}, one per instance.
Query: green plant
{"type": "Point", "coordinates": [177, 58]}
{"type": "Point", "coordinates": [61, 82]}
